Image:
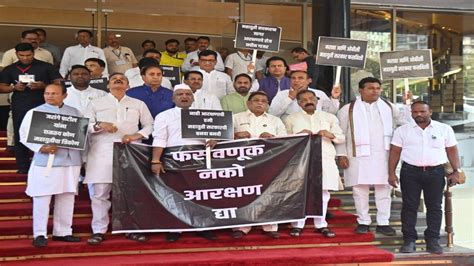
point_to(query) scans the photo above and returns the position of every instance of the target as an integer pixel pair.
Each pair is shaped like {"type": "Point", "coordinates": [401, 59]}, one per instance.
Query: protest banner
{"type": "Point", "coordinates": [172, 73]}
{"type": "Point", "coordinates": [65, 131]}
{"type": "Point", "coordinates": [235, 192]}
{"type": "Point", "coordinates": [341, 52]}
{"type": "Point", "coordinates": [257, 37]}
{"type": "Point", "coordinates": [206, 124]}
{"type": "Point", "coordinates": [406, 64]}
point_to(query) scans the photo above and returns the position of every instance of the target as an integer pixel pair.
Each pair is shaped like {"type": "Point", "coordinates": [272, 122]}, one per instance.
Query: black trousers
{"type": "Point", "coordinates": [413, 181]}
{"type": "Point", "coordinates": [22, 153]}
{"type": "Point", "coordinates": [4, 114]}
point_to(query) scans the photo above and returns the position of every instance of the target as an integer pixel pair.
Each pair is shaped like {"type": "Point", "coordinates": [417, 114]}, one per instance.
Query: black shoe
{"type": "Point", "coordinates": [434, 247]}
{"type": "Point", "coordinates": [385, 230]}
{"type": "Point", "coordinates": [69, 238]}
{"type": "Point", "coordinates": [329, 215]}
{"type": "Point", "coordinates": [22, 171]}
{"type": "Point", "coordinates": [172, 237]}
{"type": "Point", "coordinates": [408, 247]}
{"type": "Point", "coordinates": [272, 234]}
{"type": "Point", "coordinates": [40, 242]}
{"type": "Point", "coordinates": [137, 237]}
{"type": "Point", "coordinates": [362, 229]}
{"type": "Point", "coordinates": [238, 234]}
{"type": "Point", "coordinates": [96, 239]}
{"type": "Point", "coordinates": [209, 235]}
{"type": "Point", "coordinates": [295, 232]}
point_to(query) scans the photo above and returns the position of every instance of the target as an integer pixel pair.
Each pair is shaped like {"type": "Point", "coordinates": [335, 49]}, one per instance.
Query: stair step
{"type": "Point", "coordinates": [13, 177]}
{"type": "Point", "coordinates": [25, 209]}
{"type": "Point", "coordinates": [8, 164]}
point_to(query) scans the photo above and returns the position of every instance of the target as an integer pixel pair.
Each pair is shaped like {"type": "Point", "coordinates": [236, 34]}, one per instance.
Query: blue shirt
{"type": "Point", "coordinates": [157, 102]}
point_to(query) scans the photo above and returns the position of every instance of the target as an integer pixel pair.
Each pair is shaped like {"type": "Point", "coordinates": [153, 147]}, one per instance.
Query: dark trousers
{"type": "Point", "coordinates": [431, 181]}
{"type": "Point", "coordinates": [4, 114]}
{"type": "Point", "coordinates": [22, 153]}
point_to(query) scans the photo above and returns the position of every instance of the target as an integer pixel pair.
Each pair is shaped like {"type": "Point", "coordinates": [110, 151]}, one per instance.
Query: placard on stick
{"type": "Point", "coordinates": [64, 131]}
{"type": "Point", "coordinates": [172, 73]}
{"type": "Point", "coordinates": [406, 64]}
{"type": "Point", "coordinates": [206, 124]}
{"type": "Point", "coordinates": [342, 52]}
{"type": "Point", "coordinates": [258, 37]}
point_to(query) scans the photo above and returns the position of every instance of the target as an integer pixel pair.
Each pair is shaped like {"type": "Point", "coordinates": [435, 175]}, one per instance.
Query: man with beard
{"type": "Point", "coordinates": [237, 101]}
{"type": "Point", "coordinates": [80, 94]}
{"type": "Point", "coordinates": [167, 133]}
{"type": "Point", "coordinates": [31, 37]}
{"type": "Point", "coordinates": [77, 54]}
{"type": "Point", "coordinates": [119, 58]}
{"type": "Point", "coordinates": [27, 79]}
{"type": "Point", "coordinates": [172, 56]}
{"type": "Point", "coordinates": [285, 102]}
{"type": "Point", "coordinates": [114, 116]}
{"type": "Point", "coordinates": [202, 99]}
{"type": "Point", "coordinates": [192, 59]}
{"type": "Point", "coordinates": [190, 45]}
{"type": "Point", "coordinates": [257, 123]}
{"type": "Point", "coordinates": [146, 45]}
{"type": "Point", "coordinates": [326, 125]}
{"type": "Point", "coordinates": [424, 146]}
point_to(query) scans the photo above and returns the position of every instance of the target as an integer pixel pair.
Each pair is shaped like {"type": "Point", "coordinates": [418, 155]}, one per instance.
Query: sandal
{"type": "Point", "coordinates": [136, 237]}
{"type": "Point", "coordinates": [96, 239]}
{"type": "Point", "coordinates": [326, 232]}
{"type": "Point", "coordinates": [296, 232]}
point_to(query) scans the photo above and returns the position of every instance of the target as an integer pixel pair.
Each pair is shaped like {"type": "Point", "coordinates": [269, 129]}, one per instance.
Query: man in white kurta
{"type": "Point", "coordinates": [312, 121]}
{"type": "Point", "coordinates": [257, 123]}
{"type": "Point", "coordinates": [202, 99]}
{"type": "Point", "coordinates": [364, 156]}
{"type": "Point", "coordinates": [80, 94]}
{"type": "Point", "coordinates": [62, 179]}
{"type": "Point", "coordinates": [191, 60]}
{"type": "Point", "coordinates": [114, 117]}
{"type": "Point", "coordinates": [285, 103]}
{"type": "Point", "coordinates": [214, 82]}
{"type": "Point", "coordinates": [167, 133]}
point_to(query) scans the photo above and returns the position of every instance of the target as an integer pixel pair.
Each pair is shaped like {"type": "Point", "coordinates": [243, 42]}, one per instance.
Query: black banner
{"type": "Point", "coordinates": [258, 37]}
{"type": "Point", "coordinates": [406, 64]}
{"type": "Point", "coordinates": [342, 52]}
{"type": "Point", "coordinates": [251, 182]}
{"type": "Point", "coordinates": [100, 84]}
{"type": "Point", "coordinates": [172, 74]}
{"type": "Point", "coordinates": [206, 124]}
{"type": "Point", "coordinates": [64, 131]}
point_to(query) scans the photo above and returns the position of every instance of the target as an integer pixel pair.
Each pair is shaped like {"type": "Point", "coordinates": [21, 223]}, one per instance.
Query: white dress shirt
{"type": "Point", "coordinates": [256, 125]}
{"type": "Point", "coordinates": [238, 62]}
{"type": "Point", "coordinates": [126, 115]}
{"type": "Point", "coordinates": [217, 83]}
{"type": "Point", "coordinates": [81, 99]}
{"type": "Point", "coordinates": [205, 100]}
{"type": "Point", "coordinates": [424, 147]}
{"type": "Point", "coordinates": [316, 122]}
{"type": "Point", "coordinates": [76, 55]}
{"type": "Point", "coordinates": [167, 130]}
{"type": "Point", "coordinates": [135, 79]}
{"type": "Point", "coordinates": [282, 105]}
{"type": "Point", "coordinates": [194, 57]}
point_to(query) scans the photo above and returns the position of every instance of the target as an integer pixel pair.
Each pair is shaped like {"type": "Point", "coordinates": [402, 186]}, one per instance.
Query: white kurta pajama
{"type": "Point", "coordinates": [61, 181]}
{"type": "Point", "coordinates": [370, 169]}
{"type": "Point", "coordinates": [256, 125]}
{"type": "Point", "coordinates": [126, 115]}
{"type": "Point", "coordinates": [316, 122]}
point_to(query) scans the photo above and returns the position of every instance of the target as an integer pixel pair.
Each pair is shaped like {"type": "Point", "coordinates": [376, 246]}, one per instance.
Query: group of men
{"type": "Point", "coordinates": [356, 137]}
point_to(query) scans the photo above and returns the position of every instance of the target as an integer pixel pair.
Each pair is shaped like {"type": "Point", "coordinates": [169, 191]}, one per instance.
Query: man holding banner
{"type": "Point", "coordinates": [167, 133]}
{"type": "Point", "coordinates": [312, 121]}
{"type": "Point", "coordinates": [113, 117]}
{"type": "Point", "coordinates": [59, 179]}
{"type": "Point", "coordinates": [368, 124]}
{"type": "Point", "coordinates": [257, 123]}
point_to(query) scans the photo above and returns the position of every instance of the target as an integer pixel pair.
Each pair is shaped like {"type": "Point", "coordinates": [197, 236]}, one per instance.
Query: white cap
{"type": "Point", "coordinates": [181, 87]}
